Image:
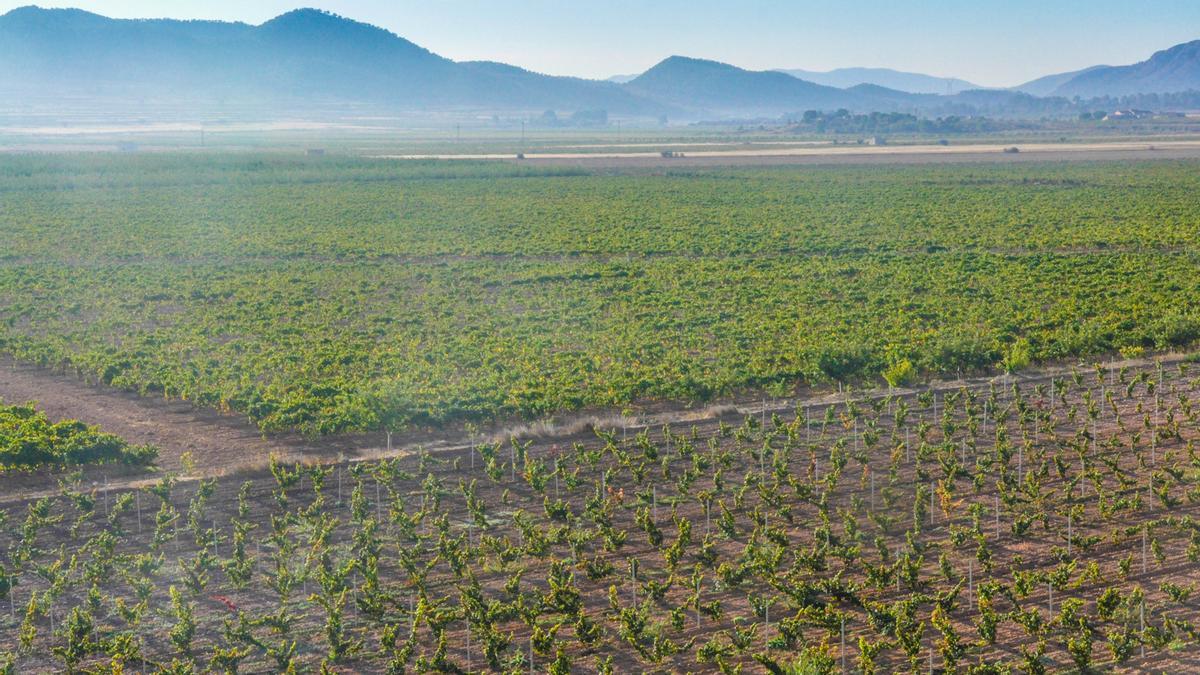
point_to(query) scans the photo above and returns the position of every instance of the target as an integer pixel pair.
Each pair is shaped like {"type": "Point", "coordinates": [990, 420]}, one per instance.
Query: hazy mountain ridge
{"type": "Point", "coordinates": [304, 54]}
{"type": "Point", "coordinates": [1168, 71]}
{"type": "Point", "coordinates": [307, 58]}
{"type": "Point", "coordinates": [44, 46]}
{"type": "Point", "coordinates": [719, 88]}
{"type": "Point", "coordinates": [1045, 86]}
{"type": "Point", "coordinates": [912, 83]}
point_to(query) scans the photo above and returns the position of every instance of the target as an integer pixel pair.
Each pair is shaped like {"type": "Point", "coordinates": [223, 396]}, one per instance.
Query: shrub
{"type": "Point", "coordinates": [968, 353]}
{"type": "Point", "coordinates": [1133, 352]}
{"type": "Point", "coordinates": [840, 363]}
{"type": "Point", "coordinates": [1018, 356]}
{"type": "Point", "coordinates": [900, 373]}
{"type": "Point", "coordinates": [28, 439]}
{"type": "Point", "coordinates": [813, 661]}
{"type": "Point", "coordinates": [1176, 331]}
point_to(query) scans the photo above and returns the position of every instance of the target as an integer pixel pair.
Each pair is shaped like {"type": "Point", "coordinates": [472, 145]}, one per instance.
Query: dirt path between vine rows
{"type": "Point", "coordinates": [217, 442]}
{"type": "Point", "coordinates": [221, 444]}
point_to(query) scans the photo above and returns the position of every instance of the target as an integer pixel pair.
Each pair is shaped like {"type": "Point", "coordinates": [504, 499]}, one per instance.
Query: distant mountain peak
{"type": "Point", "coordinates": [723, 88]}
{"type": "Point", "coordinates": [310, 13]}
{"type": "Point", "coordinates": [1188, 49]}
{"type": "Point", "coordinates": [310, 20]}
{"type": "Point", "coordinates": [1174, 69]}
{"type": "Point", "coordinates": [678, 61]}
{"type": "Point", "coordinates": [897, 80]}
{"type": "Point", "coordinates": [35, 15]}
{"type": "Point", "coordinates": [24, 9]}
{"type": "Point", "coordinates": [1045, 85]}
{"type": "Point", "coordinates": [325, 32]}
{"type": "Point", "coordinates": [301, 60]}
{"type": "Point", "coordinates": [692, 66]}
{"type": "Point", "coordinates": [34, 10]}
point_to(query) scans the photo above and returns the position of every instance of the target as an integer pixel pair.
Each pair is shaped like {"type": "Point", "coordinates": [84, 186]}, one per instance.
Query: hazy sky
{"type": "Point", "coordinates": [991, 42]}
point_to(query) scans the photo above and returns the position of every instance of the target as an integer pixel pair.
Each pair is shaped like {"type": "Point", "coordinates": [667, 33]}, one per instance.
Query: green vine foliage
{"type": "Point", "coordinates": [356, 294]}
{"type": "Point", "coordinates": [28, 439]}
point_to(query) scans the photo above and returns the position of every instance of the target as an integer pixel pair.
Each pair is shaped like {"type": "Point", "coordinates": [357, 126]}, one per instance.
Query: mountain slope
{"type": "Point", "coordinates": [912, 83]}
{"type": "Point", "coordinates": [522, 88]}
{"type": "Point", "coordinates": [1171, 70]}
{"type": "Point", "coordinates": [724, 89]}
{"type": "Point", "coordinates": [47, 47]}
{"type": "Point", "coordinates": [1045, 86]}
{"type": "Point", "coordinates": [302, 56]}
{"type": "Point", "coordinates": [319, 54]}
{"type": "Point", "coordinates": [882, 99]}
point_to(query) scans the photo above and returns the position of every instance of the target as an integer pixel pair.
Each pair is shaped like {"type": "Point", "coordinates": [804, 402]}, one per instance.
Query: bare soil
{"type": "Point", "coordinates": [825, 154]}
{"type": "Point", "coordinates": [1032, 550]}
{"type": "Point", "coordinates": [896, 156]}
{"type": "Point", "coordinates": [217, 442]}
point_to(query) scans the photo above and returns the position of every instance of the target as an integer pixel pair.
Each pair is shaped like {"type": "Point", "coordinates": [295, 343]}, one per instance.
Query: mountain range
{"type": "Point", "coordinates": [1170, 70]}
{"type": "Point", "coordinates": [912, 83]}
{"type": "Point", "coordinates": [308, 59]}
{"type": "Point", "coordinates": [304, 56]}
{"type": "Point", "coordinates": [1047, 85]}
{"type": "Point", "coordinates": [722, 89]}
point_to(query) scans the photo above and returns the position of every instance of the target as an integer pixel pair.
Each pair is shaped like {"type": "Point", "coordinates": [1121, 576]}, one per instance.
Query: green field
{"type": "Point", "coordinates": [340, 294]}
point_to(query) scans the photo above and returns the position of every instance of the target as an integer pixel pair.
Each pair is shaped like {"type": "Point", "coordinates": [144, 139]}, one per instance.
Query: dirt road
{"type": "Point", "coordinates": [855, 154]}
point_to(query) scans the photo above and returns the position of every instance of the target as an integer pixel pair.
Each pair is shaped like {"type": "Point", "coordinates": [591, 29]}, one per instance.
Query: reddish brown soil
{"type": "Point", "coordinates": [217, 442]}
{"type": "Point", "coordinates": [1034, 547]}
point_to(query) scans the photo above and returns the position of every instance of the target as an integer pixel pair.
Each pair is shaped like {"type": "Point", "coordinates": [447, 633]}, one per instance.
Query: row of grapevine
{"type": "Point", "coordinates": [355, 295]}
{"type": "Point", "coordinates": [1019, 527]}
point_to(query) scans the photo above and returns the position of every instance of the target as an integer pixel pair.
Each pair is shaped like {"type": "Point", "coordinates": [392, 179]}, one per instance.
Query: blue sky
{"type": "Point", "coordinates": [991, 42]}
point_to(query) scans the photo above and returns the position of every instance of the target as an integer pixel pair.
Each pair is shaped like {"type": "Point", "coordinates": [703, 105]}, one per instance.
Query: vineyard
{"type": "Point", "coordinates": [28, 439]}
{"type": "Point", "coordinates": [1034, 524]}
{"type": "Point", "coordinates": [340, 295]}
